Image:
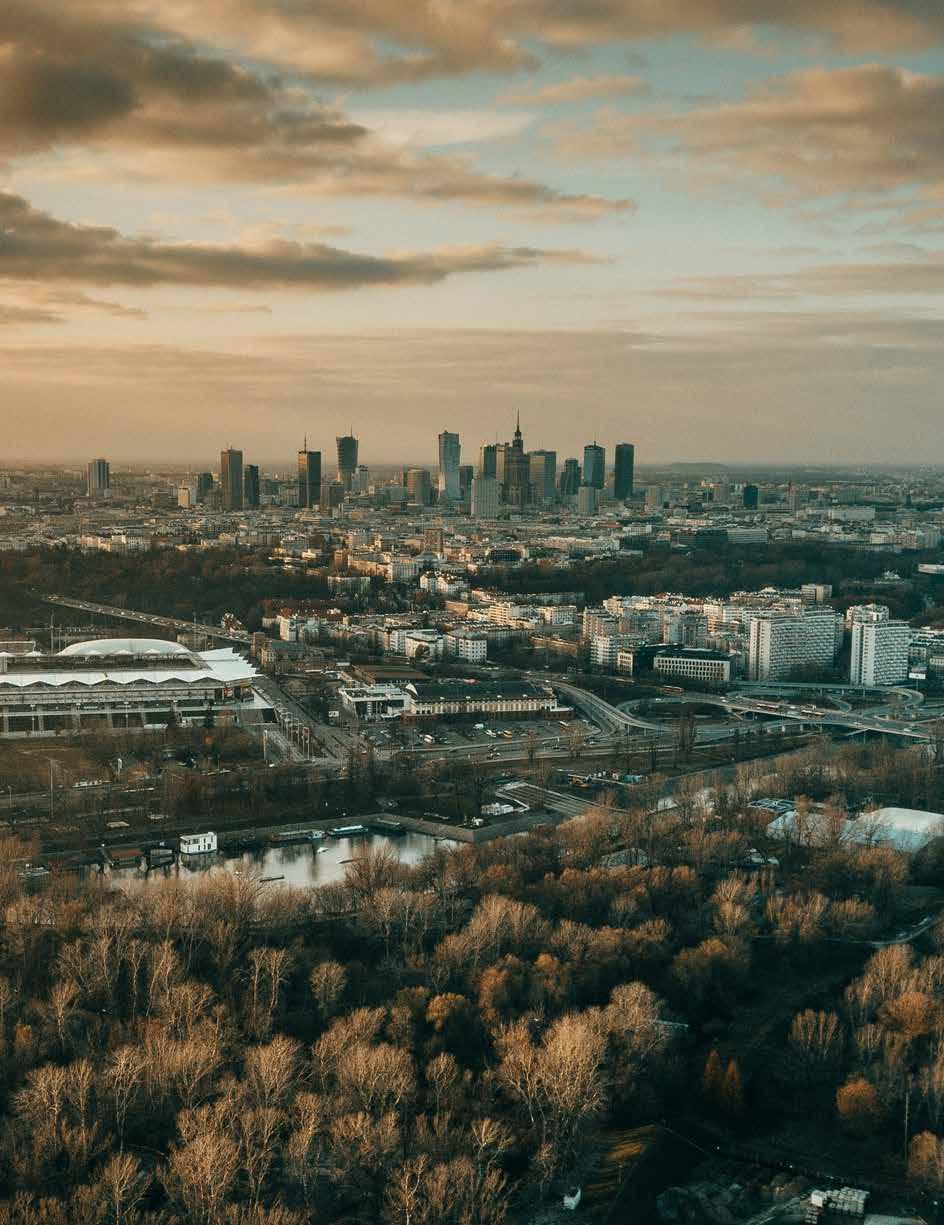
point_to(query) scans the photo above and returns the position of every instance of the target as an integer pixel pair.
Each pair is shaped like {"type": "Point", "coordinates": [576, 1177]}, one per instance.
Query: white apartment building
{"type": "Point", "coordinates": [471, 647]}
{"type": "Point", "coordinates": [879, 652]}
{"type": "Point", "coordinates": [604, 650]}
{"type": "Point", "coordinates": [425, 644]}
{"type": "Point", "coordinates": [779, 642]}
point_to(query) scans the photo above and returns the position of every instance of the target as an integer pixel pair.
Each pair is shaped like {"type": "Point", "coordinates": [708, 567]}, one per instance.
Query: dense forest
{"type": "Point", "coordinates": [160, 580]}
{"type": "Point", "coordinates": [444, 1043]}
{"type": "Point", "coordinates": [719, 570]}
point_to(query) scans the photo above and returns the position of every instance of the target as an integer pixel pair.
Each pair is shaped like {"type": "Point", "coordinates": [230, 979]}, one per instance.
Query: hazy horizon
{"type": "Point", "coordinates": [686, 229]}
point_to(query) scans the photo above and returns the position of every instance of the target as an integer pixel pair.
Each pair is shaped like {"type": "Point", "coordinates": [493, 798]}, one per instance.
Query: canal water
{"type": "Point", "coordinates": [302, 865]}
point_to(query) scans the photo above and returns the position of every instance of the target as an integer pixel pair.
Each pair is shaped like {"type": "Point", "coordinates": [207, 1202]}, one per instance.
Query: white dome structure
{"type": "Point", "coordinates": [126, 646]}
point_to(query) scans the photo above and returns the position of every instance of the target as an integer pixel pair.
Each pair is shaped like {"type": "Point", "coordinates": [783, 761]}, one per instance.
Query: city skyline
{"type": "Point", "coordinates": [725, 230]}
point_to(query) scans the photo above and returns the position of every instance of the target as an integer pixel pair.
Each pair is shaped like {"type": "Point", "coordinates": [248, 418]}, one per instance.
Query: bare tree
{"type": "Point", "coordinates": [123, 1185]}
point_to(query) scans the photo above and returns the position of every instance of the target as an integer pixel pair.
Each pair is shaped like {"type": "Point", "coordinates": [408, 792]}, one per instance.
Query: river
{"type": "Point", "coordinates": [302, 865]}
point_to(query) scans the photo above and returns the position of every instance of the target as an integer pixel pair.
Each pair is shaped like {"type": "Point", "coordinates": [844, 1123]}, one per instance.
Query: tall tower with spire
{"type": "Point", "coordinates": [517, 470]}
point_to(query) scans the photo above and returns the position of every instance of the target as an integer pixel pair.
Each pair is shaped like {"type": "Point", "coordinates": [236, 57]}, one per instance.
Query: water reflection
{"type": "Point", "coordinates": [304, 864]}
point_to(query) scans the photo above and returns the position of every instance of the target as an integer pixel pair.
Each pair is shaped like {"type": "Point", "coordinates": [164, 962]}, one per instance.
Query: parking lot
{"type": "Point", "coordinates": [486, 733]}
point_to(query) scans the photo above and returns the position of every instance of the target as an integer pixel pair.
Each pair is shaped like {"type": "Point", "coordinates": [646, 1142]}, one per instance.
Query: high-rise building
{"type": "Point", "coordinates": [98, 478]}
{"type": "Point", "coordinates": [309, 477]}
{"type": "Point", "coordinates": [204, 485]}
{"type": "Point", "coordinates": [594, 466]}
{"type": "Point", "coordinates": [361, 482]}
{"type": "Point", "coordinates": [517, 471]}
{"type": "Point", "coordinates": [466, 476]}
{"type": "Point", "coordinates": [879, 651]}
{"type": "Point", "coordinates": [543, 475]}
{"type": "Point", "coordinates": [488, 460]}
{"type": "Point", "coordinates": [251, 485]}
{"type": "Point", "coordinates": [449, 451]}
{"type": "Point", "coordinates": [750, 496]}
{"type": "Point", "coordinates": [419, 487]}
{"type": "Point", "coordinates": [484, 497]}
{"type": "Point", "coordinates": [570, 478]}
{"type": "Point", "coordinates": [347, 460]}
{"type": "Point", "coordinates": [231, 479]}
{"type": "Point", "coordinates": [779, 643]}
{"type": "Point", "coordinates": [624, 466]}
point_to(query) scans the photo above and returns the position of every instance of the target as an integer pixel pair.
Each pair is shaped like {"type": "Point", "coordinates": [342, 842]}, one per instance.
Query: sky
{"type": "Point", "coordinates": [714, 228]}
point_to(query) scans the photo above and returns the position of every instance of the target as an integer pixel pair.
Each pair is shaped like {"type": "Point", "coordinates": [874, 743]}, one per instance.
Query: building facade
{"type": "Point", "coordinates": [624, 468]}
{"type": "Point", "coordinates": [449, 453]}
{"type": "Point", "coordinates": [231, 479]}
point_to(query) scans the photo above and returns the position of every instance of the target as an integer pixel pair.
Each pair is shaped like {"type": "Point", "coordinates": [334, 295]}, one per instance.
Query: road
{"type": "Point", "coordinates": [168, 623]}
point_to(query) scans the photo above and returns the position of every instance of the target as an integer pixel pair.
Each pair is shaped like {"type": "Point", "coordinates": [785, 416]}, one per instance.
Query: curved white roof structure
{"type": "Point", "coordinates": [126, 646]}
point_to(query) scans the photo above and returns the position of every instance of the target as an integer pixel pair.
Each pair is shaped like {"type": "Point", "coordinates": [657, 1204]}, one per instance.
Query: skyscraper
{"type": "Point", "coordinates": [488, 460]}
{"type": "Point", "coordinates": [570, 478]}
{"type": "Point", "coordinates": [750, 496]}
{"type": "Point", "coordinates": [347, 460]}
{"type": "Point", "coordinates": [623, 470]}
{"type": "Point", "coordinates": [517, 474]}
{"type": "Point", "coordinates": [97, 478]}
{"type": "Point", "coordinates": [466, 476]}
{"type": "Point", "coordinates": [251, 485]}
{"type": "Point", "coordinates": [543, 475]}
{"type": "Point", "coordinates": [594, 466]}
{"type": "Point", "coordinates": [204, 485]}
{"type": "Point", "coordinates": [231, 479]}
{"type": "Point", "coordinates": [309, 477]}
{"type": "Point", "coordinates": [449, 451]}
{"type": "Point", "coordinates": [484, 497]}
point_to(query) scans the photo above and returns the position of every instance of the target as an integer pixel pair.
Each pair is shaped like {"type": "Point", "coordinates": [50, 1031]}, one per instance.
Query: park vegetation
{"type": "Point", "coordinates": [446, 1043]}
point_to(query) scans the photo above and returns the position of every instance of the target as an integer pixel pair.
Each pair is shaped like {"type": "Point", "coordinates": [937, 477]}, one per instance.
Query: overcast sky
{"type": "Point", "coordinates": [714, 228]}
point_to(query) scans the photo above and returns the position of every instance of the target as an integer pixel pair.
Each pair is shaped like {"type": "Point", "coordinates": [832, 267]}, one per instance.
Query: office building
{"type": "Point", "coordinates": [488, 460]}
{"type": "Point", "coordinates": [449, 451]}
{"type": "Point", "coordinates": [624, 468]}
{"type": "Point", "coordinates": [570, 478]}
{"type": "Point", "coordinates": [780, 643]}
{"type": "Point", "coordinates": [419, 487]}
{"type": "Point", "coordinates": [251, 486]}
{"type": "Point", "coordinates": [361, 482]}
{"type": "Point", "coordinates": [705, 667]}
{"type": "Point", "coordinates": [880, 649]}
{"type": "Point", "coordinates": [485, 497]}
{"type": "Point", "coordinates": [466, 476]}
{"type": "Point", "coordinates": [347, 460]}
{"type": "Point", "coordinates": [594, 466]}
{"type": "Point", "coordinates": [588, 500]}
{"type": "Point", "coordinates": [750, 496]}
{"type": "Point", "coordinates": [231, 479]}
{"type": "Point", "coordinates": [309, 477]}
{"type": "Point", "coordinates": [98, 478]}
{"type": "Point", "coordinates": [542, 476]}
{"type": "Point", "coordinates": [204, 485]}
